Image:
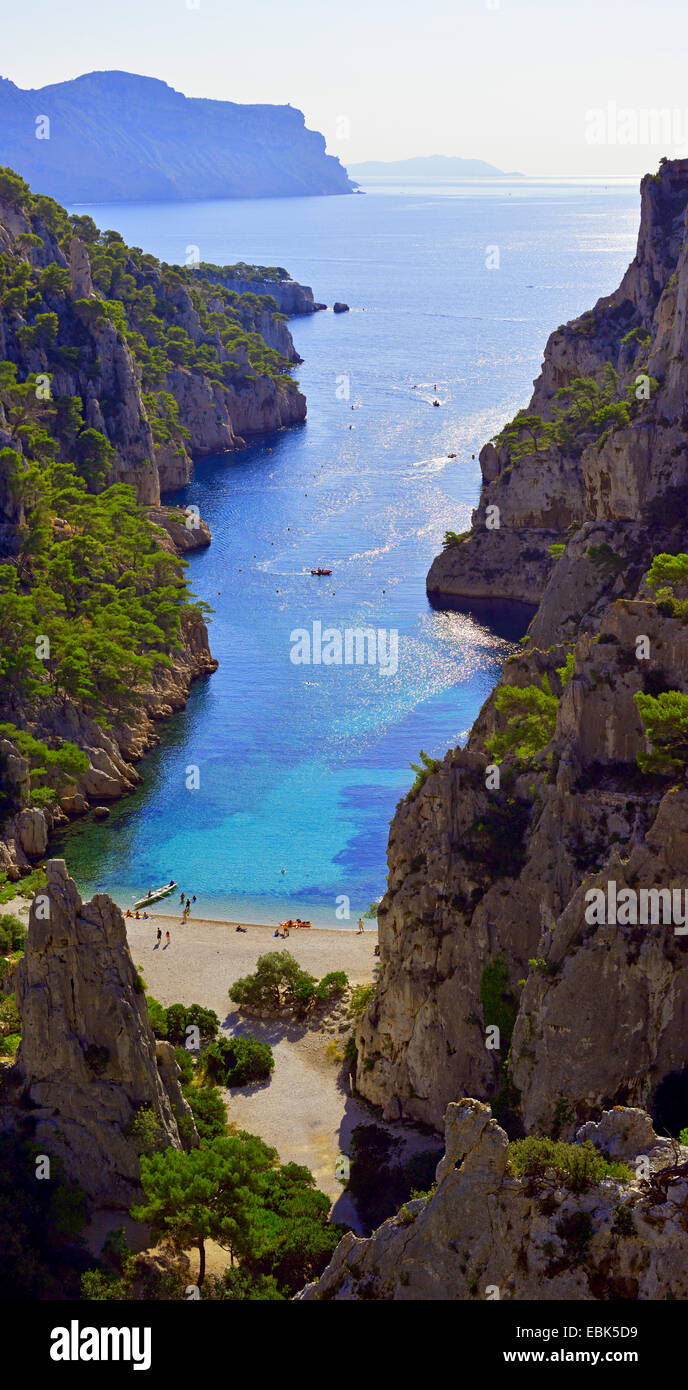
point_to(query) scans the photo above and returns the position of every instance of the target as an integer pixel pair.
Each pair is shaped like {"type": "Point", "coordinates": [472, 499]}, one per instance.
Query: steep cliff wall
{"type": "Point", "coordinates": [608, 467]}
{"type": "Point", "coordinates": [574, 772]}
{"type": "Point", "coordinates": [88, 1062]}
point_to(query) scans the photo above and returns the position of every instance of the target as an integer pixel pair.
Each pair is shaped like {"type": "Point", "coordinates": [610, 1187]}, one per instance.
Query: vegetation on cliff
{"type": "Point", "coordinates": [100, 344]}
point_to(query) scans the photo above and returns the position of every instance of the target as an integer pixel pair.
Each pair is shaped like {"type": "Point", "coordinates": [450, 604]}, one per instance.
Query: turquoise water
{"type": "Point", "coordinates": [300, 766]}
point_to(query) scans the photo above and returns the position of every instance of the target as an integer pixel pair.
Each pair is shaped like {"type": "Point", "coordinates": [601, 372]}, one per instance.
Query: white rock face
{"type": "Point", "coordinates": [32, 830]}
{"type": "Point", "coordinates": [88, 1060]}
{"type": "Point", "coordinates": [485, 1233]}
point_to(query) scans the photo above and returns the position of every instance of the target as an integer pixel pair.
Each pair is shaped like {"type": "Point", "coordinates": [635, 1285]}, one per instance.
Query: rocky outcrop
{"type": "Point", "coordinates": [292, 299]}
{"type": "Point", "coordinates": [598, 474]}
{"type": "Point", "coordinates": [485, 1233]}
{"type": "Point", "coordinates": [182, 530]}
{"type": "Point", "coordinates": [88, 1063]}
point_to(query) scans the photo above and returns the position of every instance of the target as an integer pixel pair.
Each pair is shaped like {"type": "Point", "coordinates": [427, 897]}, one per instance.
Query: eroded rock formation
{"type": "Point", "coordinates": [485, 1233]}
{"type": "Point", "coordinates": [88, 1062]}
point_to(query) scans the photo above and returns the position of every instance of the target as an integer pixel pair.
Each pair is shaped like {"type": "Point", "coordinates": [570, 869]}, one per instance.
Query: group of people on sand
{"type": "Point", "coordinates": [137, 916]}
{"type": "Point", "coordinates": [285, 927]}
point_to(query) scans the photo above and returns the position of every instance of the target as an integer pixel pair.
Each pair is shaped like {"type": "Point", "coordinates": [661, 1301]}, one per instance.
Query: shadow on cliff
{"type": "Point", "coordinates": [506, 618]}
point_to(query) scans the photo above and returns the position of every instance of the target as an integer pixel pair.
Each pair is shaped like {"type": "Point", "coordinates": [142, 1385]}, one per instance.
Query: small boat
{"type": "Point", "coordinates": [320, 571]}
{"type": "Point", "coordinates": [156, 894]}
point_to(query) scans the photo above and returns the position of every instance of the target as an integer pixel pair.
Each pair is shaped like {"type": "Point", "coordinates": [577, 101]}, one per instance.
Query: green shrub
{"type": "Point", "coordinates": [12, 933]}
{"type": "Point", "coordinates": [278, 982]}
{"type": "Point", "coordinates": [565, 672]}
{"type": "Point", "coordinates": [332, 986]}
{"type": "Point", "coordinates": [185, 1061]}
{"type": "Point", "coordinates": [579, 1166]}
{"type": "Point", "coordinates": [182, 1016]}
{"type": "Point", "coordinates": [208, 1109]}
{"type": "Point", "coordinates": [497, 999]}
{"type": "Point", "coordinates": [10, 1022]}
{"type": "Point", "coordinates": [606, 559]}
{"type": "Point", "coordinates": [424, 769]}
{"type": "Point", "coordinates": [361, 997]}
{"type": "Point", "coordinates": [669, 571]}
{"type": "Point", "coordinates": [236, 1061]}
{"type": "Point", "coordinates": [157, 1017]}
{"type": "Point", "coordinates": [531, 715]}
{"type": "Point", "coordinates": [665, 719]}
{"type": "Point", "coordinates": [452, 538]}
{"type": "Point", "coordinates": [623, 1223]}
{"type": "Point", "coordinates": [145, 1130]}
{"type": "Point", "coordinates": [240, 1286]}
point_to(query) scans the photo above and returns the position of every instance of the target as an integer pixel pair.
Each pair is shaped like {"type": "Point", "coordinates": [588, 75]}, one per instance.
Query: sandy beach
{"type": "Point", "coordinates": [305, 1110]}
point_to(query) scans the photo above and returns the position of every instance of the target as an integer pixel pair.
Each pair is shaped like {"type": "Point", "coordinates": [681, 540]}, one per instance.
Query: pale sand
{"type": "Point", "coordinates": [305, 1111]}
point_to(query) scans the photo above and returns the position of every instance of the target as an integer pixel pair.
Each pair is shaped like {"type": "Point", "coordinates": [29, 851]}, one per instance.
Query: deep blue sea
{"type": "Point", "coordinates": [300, 767]}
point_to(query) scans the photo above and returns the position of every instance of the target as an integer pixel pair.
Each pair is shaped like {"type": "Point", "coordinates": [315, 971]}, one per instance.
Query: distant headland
{"type": "Point", "coordinates": [443, 166]}
{"type": "Point", "coordinates": [119, 137]}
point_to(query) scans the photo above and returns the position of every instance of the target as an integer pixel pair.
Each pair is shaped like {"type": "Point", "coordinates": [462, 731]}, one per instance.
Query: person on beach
{"type": "Point", "coordinates": [167, 938]}
{"type": "Point", "coordinates": [360, 926]}
{"type": "Point", "coordinates": [158, 936]}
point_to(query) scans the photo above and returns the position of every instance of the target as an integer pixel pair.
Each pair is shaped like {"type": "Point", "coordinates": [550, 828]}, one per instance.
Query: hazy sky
{"type": "Point", "coordinates": [510, 81]}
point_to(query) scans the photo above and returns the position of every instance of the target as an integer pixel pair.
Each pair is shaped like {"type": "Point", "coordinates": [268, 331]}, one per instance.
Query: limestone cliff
{"type": "Point", "coordinates": [88, 1062]}
{"type": "Point", "coordinates": [608, 469]}
{"type": "Point", "coordinates": [486, 1233]}
{"type": "Point", "coordinates": [291, 298]}
{"type": "Point", "coordinates": [560, 789]}
{"type": "Point", "coordinates": [166, 364]}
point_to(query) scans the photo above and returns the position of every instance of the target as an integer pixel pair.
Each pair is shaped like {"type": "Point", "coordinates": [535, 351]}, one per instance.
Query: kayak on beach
{"type": "Point", "coordinates": [155, 894]}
